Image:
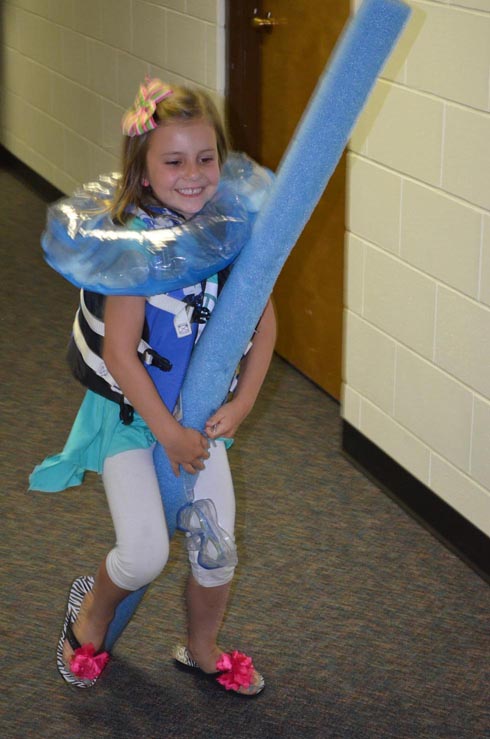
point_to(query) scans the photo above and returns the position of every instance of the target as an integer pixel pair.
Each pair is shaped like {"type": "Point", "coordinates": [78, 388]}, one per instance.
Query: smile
{"type": "Point", "coordinates": [190, 191]}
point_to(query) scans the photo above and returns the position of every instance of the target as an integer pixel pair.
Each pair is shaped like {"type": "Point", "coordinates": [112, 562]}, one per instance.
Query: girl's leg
{"type": "Point", "coordinates": [142, 545]}
{"type": "Point", "coordinates": [96, 612]}
{"type": "Point", "coordinates": [208, 590]}
{"type": "Point", "coordinates": [205, 612]}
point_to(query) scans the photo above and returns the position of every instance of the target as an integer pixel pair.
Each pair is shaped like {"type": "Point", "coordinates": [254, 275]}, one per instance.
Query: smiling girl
{"type": "Point", "coordinates": [174, 149]}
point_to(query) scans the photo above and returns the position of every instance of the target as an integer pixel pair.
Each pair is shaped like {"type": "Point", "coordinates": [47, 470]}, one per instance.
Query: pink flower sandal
{"type": "Point", "coordinates": [234, 671]}
{"type": "Point", "coordinates": [85, 665]}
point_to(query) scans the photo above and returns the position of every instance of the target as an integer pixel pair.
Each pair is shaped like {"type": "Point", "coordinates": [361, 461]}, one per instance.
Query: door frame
{"type": "Point", "coordinates": [243, 76]}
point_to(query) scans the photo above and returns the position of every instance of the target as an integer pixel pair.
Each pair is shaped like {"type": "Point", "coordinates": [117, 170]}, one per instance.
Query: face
{"type": "Point", "coordinates": [182, 165]}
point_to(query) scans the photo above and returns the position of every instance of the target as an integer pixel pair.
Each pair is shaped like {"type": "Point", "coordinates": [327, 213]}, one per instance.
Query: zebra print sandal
{"type": "Point", "coordinates": [234, 671]}
{"type": "Point", "coordinates": [85, 665]}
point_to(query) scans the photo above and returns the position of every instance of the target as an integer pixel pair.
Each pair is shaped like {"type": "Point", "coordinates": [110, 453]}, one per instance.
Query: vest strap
{"type": "Point", "coordinates": [182, 312]}
{"type": "Point", "coordinates": [91, 359]}
{"type": "Point", "coordinates": [98, 327]}
{"type": "Point", "coordinates": [97, 364]}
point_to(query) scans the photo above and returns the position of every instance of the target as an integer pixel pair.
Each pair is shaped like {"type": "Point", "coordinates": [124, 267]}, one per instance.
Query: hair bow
{"type": "Point", "coordinates": [139, 118]}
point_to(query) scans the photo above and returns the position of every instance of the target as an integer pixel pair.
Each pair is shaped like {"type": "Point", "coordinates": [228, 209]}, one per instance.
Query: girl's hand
{"type": "Point", "coordinates": [186, 447]}
{"type": "Point", "coordinates": [226, 420]}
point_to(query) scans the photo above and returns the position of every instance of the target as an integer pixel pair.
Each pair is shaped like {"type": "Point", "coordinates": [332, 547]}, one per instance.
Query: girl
{"type": "Point", "coordinates": [174, 148]}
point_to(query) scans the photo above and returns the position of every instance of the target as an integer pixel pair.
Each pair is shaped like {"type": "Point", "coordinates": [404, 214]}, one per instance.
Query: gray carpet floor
{"type": "Point", "coordinates": [363, 624]}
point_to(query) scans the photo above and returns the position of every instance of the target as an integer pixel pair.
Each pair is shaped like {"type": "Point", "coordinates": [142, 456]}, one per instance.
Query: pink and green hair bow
{"type": "Point", "coordinates": [139, 118]}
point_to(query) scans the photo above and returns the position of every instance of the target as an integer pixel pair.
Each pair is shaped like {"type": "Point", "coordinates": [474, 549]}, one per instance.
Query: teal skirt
{"type": "Point", "coordinates": [97, 433]}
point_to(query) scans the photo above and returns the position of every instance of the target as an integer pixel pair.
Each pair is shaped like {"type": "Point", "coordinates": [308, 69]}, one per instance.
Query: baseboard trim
{"type": "Point", "coordinates": [451, 528]}
{"type": "Point", "coordinates": [31, 179]}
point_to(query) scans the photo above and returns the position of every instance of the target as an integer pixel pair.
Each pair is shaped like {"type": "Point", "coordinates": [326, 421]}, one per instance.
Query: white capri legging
{"type": "Point", "coordinates": [142, 542]}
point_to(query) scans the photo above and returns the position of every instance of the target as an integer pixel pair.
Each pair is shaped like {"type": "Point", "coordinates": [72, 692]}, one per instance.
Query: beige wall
{"type": "Point", "coordinates": [417, 322]}
{"type": "Point", "coordinates": [71, 67]}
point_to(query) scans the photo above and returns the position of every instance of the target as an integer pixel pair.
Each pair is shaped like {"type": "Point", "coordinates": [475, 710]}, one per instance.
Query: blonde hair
{"type": "Point", "coordinates": [184, 104]}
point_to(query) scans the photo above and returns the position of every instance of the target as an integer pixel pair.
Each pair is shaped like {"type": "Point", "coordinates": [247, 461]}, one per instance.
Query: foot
{"type": "Point", "coordinates": [85, 629]}
{"type": "Point", "coordinates": [205, 658]}
{"type": "Point", "coordinates": [78, 661]}
{"type": "Point", "coordinates": [206, 662]}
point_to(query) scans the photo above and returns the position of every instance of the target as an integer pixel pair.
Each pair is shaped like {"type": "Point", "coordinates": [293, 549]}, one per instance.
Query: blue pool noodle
{"type": "Point", "coordinates": [304, 172]}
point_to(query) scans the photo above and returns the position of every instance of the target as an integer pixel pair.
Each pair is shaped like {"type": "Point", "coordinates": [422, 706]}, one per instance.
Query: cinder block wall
{"type": "Point", "coordinates": [69, 70]}
{"type": "Point", "coordinates": [417, 320]}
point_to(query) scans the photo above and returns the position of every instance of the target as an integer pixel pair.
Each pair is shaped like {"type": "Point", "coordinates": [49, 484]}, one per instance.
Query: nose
{"type": "Point", "coordinates": [192, 171]}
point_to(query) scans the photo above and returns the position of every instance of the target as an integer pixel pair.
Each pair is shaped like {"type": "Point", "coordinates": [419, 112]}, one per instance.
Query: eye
{"type": "Point", "coordinates": [207, 159]}
{"type": "Point", "coordinates": [173, 162]}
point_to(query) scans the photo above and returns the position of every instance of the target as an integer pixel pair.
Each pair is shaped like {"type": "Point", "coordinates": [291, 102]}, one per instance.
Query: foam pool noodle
{"type": "Point", "coordinates": [304, 172]}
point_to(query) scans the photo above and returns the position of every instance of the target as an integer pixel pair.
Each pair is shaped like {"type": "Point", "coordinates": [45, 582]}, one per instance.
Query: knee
{"type": "Point", "coordinates": [212, 578]}
{"type": "Point", "coordinates": [133, 567]}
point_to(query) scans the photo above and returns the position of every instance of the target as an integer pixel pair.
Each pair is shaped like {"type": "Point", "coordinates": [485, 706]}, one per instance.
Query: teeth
{"type": "Point", "coordinates": [190, 190]}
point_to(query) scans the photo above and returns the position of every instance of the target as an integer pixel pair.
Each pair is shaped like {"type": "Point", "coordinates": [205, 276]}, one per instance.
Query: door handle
{"type": "Point", "coordinates": [264, 24]}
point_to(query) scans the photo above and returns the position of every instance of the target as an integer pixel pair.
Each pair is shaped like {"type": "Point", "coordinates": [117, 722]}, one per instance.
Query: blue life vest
{"type": "Point", "coordinates": [173, 323]}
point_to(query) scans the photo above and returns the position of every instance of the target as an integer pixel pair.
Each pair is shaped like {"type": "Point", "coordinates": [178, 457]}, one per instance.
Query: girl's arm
{"type": "Point", "coordinates": [253, 369]}
{"type": "Point", "coordinates": [124, 318]}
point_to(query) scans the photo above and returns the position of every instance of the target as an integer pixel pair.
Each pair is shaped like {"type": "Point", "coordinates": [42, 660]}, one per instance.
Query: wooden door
{"type": "Point", "coordinates": [279, 66]}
